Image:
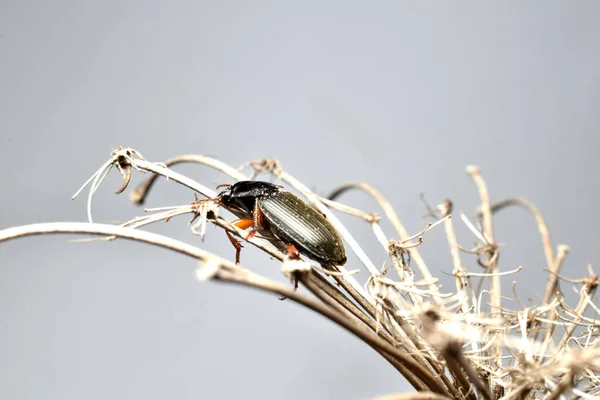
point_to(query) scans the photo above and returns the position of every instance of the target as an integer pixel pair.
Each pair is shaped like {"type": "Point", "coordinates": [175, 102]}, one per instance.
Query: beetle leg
{"type": "Point", "coordinates": [294, 254]}
{"type": "Point", "coordinates": [242, 224]}
{"type": "Point", "coordinates": [258, 221]}
{"type": "Point", "coordinates": [238, 246]}
{"type": "Point", "coordinates": [293, 251]}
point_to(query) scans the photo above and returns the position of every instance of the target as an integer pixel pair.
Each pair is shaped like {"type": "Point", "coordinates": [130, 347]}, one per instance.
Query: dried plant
{"type": "Point", "coordinates": [447, 345]}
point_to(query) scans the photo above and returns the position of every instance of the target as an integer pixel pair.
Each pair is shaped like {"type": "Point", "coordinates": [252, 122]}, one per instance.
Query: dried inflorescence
{"type": "Point", "coordinates": [447, 345]}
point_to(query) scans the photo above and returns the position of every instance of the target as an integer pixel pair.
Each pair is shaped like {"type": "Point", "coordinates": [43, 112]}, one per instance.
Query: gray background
{"type": "Point", "coordinates": [401, 94]}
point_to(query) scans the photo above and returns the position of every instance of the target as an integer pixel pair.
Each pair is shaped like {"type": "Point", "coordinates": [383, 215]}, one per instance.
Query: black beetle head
{"type": "Point", "coordinates": [240, 197]}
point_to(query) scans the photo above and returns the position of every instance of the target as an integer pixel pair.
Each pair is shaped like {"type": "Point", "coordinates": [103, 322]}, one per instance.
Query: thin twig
{"type": "Point", "coordinates": [488, 226]}
{"type": "Point", "coordinates": [391, 215]}
{"type": "Point", "coordinates": [138, 195]}
{"type": "Point", "coordinates": [539, 219]}
{"type": "Point", "coordinates": [559, 389]}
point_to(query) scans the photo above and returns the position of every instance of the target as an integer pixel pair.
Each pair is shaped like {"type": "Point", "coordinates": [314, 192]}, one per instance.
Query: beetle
{"type": "Point", "coordinates": [284, 219]}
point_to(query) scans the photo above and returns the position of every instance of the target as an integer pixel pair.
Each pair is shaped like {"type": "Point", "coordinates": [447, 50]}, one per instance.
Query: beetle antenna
{"type": "Point", "coordinates": [223, 185]}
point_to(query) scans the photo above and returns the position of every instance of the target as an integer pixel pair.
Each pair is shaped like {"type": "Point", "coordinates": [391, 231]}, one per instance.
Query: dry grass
{"type": "Point", "coordinates": [447, 345]}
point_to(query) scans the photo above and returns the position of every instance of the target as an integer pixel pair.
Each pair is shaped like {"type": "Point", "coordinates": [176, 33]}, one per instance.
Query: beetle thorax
{"type": "Point", "coordinates": [240, 198]}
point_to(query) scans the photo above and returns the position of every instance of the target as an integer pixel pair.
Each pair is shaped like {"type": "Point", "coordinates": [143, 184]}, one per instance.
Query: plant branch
{"type": "Point", "coordinates": [229, 272]}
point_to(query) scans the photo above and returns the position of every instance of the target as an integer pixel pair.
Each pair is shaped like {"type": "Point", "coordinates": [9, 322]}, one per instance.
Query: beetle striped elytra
{"type": "Point", "coordinates": [283, 219]}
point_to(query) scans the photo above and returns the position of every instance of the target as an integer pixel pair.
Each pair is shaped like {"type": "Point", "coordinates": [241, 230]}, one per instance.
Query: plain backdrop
{"type": "Point", "coordinates": [402, 94]}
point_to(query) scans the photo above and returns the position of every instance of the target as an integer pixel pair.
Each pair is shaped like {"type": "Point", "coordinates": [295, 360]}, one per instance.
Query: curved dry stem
{"type": "Point", "coordinates": [179, 178]}
{"type": "Point", "coordinates": [138, 195]}
{"type": "Point", "coordinates": [554, 270]}
{"type": "Point", "coordinates": [391, 215]}
{"type": "Point", "coordinates": [334, 293]}
{"type": "Point", "coordinates": [362, 332]}
{"type": "Point", "coordinates": [551, 293]}
{"type": "Point", "coordinates": [228, 272]}
{"type": "Point", "coordinates": [461, 280]}
{"type": "Point", "coordinates": [488, 231]}
{"type": "Point", "coordinates": [314, 286]}
{"type": "Point", "coordinates": [540, 222]}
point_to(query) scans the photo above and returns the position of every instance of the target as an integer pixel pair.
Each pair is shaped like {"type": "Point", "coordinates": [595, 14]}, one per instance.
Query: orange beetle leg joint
{"type": "Point", "coordinates": [243, 223]}
{"type": "Point", "coordinates": [293, 251]}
